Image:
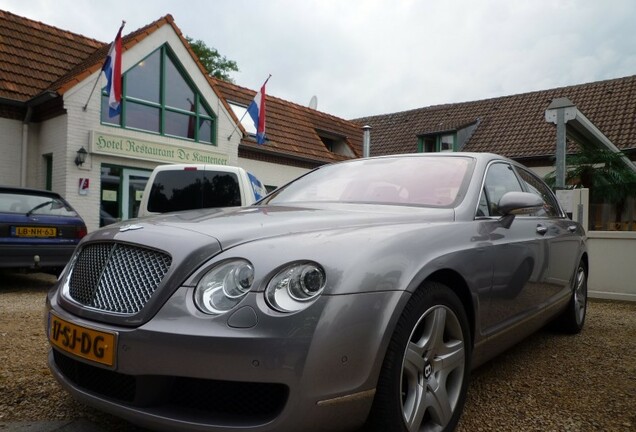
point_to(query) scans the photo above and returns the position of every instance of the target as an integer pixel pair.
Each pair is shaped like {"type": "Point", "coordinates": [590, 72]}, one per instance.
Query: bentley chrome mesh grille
{"type": "Point", "coordinates": [116, 277]}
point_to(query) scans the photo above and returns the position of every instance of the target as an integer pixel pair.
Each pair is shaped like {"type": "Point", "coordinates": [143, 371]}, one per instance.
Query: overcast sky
{"type": "Point", "coordinates": [366, 57]}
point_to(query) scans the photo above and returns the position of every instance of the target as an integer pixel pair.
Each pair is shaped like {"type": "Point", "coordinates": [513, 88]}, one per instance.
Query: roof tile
{"type": "Point", "coordinates": [513, 126]}
{"type": "Point", "coordinates": [292, 129]}
{"type": "Point", "coordinates": [46, 52]}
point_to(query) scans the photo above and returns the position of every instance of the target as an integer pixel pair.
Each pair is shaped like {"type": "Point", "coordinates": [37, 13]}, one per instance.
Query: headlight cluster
{"type": "Point", "coordinates": [292, 289]}
{"type": "Point", "coordinates": [294, 286]}
{"type": "Point", "coordinates": [224, 286]}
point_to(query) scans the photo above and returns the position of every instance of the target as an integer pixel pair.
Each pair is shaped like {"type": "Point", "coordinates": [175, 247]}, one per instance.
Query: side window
{"type": "Point", "coordinates": [483, 209]}
{"type": "Point", "coordinates": [500, 179]}
{"type": "Point", "coordinates": [536, 186]}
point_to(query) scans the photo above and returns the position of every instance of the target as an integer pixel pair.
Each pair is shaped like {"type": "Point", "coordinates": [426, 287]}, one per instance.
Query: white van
{"type": "Point", "coordinates": [178, 187]}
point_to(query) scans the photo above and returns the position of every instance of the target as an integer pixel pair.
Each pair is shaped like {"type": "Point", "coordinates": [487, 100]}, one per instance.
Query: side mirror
{"type": "Point", "coordinates": [517, 203]}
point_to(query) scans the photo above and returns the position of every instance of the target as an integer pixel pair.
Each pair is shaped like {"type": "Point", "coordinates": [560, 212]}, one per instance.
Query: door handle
{"type": "Point", "coordinates": [541, 229]}
{"type": "Point", "coordinates": [572, 228]}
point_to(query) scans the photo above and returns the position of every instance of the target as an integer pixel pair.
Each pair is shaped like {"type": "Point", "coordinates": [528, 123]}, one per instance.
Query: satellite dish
{"type": "Point", "coordinates": [313, 103]}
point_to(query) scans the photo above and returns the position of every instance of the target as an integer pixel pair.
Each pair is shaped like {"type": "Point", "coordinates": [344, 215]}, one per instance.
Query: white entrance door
{"type": "Point", "coordinates": [133, 184]}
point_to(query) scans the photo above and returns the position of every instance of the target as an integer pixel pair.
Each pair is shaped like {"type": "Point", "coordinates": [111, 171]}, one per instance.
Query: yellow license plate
{"type": "Point", "coordinates": [39, 232]}
{"type": "Point", "coordinates": [94, 345]}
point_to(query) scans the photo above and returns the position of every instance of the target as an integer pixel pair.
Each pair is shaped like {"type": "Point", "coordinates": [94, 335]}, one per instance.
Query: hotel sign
{"type": "Point", "coordinates": [146, 150]}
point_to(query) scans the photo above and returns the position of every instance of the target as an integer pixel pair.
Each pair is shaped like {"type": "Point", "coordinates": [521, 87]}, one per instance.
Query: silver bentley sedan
{"type": "Point", "coordinates": [359, 295]}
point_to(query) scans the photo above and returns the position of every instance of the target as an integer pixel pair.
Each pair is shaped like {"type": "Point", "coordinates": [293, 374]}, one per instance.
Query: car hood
{"type": "Point", "coordinates": [193, 237]}
{"type": "Point", "coordinates": [238, 225]}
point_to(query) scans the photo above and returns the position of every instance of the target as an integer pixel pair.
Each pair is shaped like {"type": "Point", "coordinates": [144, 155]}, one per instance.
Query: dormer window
{"type": "Point", "coordinates": [428, 144]}
{"type": "Point", "coordinates": [240, 111]}
{"type": "Point", "coordinates": [335, 143]}
{"type": "Point", "coordinates": [436, 143]}
{"type": "Point", "coordinates": [330, 143]}
{"type": "Point", "coordinates": [446, 143]}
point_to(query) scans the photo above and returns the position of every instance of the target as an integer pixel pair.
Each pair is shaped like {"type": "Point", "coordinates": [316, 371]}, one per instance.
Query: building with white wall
{"type": "Point", "coordinates": [171, 112]}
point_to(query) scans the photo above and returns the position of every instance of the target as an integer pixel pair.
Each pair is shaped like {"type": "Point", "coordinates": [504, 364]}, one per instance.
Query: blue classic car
{"type": "Point", "coordinates": [359, 295]}
{"type": "Point", "coordinates": [39, 230]}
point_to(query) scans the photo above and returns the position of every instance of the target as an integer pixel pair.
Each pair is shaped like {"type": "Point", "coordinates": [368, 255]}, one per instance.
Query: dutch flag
{"type": "Point", "coordinates": [112, 70]}
{"type": "Point", "coordinates": [257, 112]}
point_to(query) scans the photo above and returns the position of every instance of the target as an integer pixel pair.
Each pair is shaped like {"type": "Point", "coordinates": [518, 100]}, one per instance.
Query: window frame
{"type": "Point", "coordinates": [200, 104]}
{"type": "Point", "coordinates": [425, 144]}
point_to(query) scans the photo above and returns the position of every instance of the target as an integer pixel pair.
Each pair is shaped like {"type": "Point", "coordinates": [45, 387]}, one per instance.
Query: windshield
{"type": "Point", "coordinates": [414, 180]}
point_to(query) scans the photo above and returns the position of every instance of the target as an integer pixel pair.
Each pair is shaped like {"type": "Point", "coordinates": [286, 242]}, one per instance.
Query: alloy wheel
{"type": "Point", "coordinates": [432, 370]}
{"type": "Point", "coordinates": [580, 295]}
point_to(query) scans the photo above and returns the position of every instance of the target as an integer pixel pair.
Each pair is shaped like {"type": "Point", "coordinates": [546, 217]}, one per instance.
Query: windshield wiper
{"type": "Point", "coordinates": [39, 206]}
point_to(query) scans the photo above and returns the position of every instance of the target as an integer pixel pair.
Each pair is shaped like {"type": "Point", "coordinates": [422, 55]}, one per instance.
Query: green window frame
{"type": "Point", "coordinates": [437, 143]}
{"type": "Point", "coordinates": [48, 163]}
{"type": "Point", "coordinates": [155, 109]}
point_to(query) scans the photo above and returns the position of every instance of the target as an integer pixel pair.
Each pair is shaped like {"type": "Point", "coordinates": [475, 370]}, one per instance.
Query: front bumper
{"type": "Point", "coordinates": [252, 368]}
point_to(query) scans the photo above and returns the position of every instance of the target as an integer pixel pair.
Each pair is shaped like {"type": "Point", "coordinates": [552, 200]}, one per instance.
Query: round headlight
{"type": "Point", "coordinates": [294, 287]}
{"type": "Point", "coordinates": [224, 286]}
{"type": "Point", "coordinates": [238, 280]}
{"type": "Point", "coordinates": [307, 284]}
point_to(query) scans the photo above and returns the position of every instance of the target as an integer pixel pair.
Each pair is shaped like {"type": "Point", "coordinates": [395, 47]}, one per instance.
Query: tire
{"type": "Point", "coordinates": [431, 346]}
{"type": "Point", "coordinates": [573, 318]}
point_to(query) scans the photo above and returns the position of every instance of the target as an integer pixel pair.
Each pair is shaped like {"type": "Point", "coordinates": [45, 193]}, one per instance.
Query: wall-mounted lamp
{"type": "Point", "coordinates": [81, 156]}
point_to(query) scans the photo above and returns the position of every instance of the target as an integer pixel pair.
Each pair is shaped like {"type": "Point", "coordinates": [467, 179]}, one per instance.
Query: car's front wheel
{"type": "Point", "coordinates": [424, 377]}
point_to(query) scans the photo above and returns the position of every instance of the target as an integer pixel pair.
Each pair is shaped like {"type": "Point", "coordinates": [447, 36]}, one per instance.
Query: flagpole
{"type": "Point", "coordinates": [94, 85]}
{"type": "Point", "coordinates": [123, 23]}
{"type": "Point", "coordinates": [236, 125]}
{"type": "Point", "coordinates": [245, 113]}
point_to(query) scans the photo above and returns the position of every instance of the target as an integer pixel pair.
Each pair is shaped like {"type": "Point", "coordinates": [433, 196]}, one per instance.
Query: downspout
{"type": "Point", "coordinates": [25, 142]}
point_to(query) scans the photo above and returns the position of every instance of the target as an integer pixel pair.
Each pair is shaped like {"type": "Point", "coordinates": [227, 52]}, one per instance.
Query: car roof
{"type": "Point", "coordinates": [199, 167]}
{"type": "Point", "coordinates": [476, 155]}
{"type": "Point", "coordinates": [482, 157]}
{"type": "Point", "coordinates": [29, 191]}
